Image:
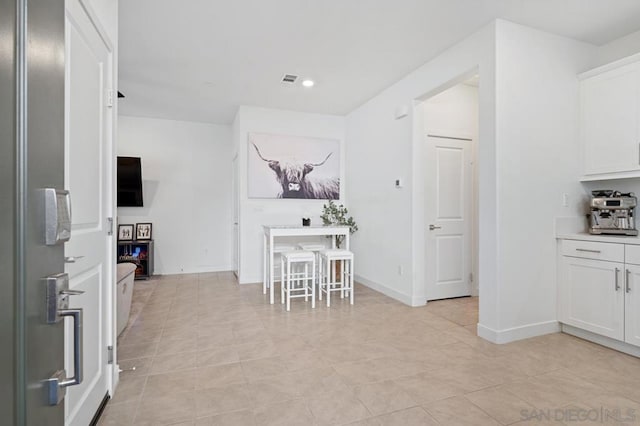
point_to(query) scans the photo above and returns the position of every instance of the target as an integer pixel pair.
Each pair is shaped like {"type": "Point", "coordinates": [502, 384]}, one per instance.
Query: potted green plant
{"type": "Point", "coordinates": [336, 215]}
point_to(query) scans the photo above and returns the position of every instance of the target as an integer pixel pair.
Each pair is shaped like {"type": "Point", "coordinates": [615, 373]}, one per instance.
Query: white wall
{"type": "Point", "coordinates": [381, 149]}
{"type": "Point", "coordinates": [257, 212]}
{"type": "Point", "coordinates": [454, 113]}
{"type": "Point", "coordinates": [527, 158]}
{"type": "Point", "coordinates": [186, 172]}
{"type": "Point", "coordinates": [617, 49]}
{"type": "Point", "coordinates": [537, 112]}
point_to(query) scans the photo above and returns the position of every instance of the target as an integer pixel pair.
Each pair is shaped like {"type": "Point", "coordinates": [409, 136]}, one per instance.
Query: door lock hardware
{"type": "Point", "coordinates": [72, 292]}
{"type": "Point", "coordinates": [57, 384]}
{"type": "Point", "coordinates": [57, 217]}
{"type": "Point", "coordinates": [57, 305]}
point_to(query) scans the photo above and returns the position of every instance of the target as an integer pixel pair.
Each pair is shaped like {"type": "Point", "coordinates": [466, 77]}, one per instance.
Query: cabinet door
{"type": "Point", "coordinates": [592, 296]}
{"type": "Point", "coordinates": [632, 305]}
{"type": "Point", "coordinates": [610, 120]}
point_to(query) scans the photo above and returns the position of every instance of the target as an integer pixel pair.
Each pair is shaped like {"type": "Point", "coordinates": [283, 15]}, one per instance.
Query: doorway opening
{"type": "Point", "coordinates": [449, 138]}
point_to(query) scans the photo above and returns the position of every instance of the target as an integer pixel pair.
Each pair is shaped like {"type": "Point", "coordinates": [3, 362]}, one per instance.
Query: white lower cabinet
{"type": "Point", "coordinates": [592, 296]}
{"type": "Point", "coordinates": [600, 296]}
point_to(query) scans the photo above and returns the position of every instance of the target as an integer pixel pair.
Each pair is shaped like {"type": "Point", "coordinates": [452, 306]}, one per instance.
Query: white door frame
{"type": "Point", "coordinates": [235, 199]}
{"type": "Point", "coordinates": [418, 244]}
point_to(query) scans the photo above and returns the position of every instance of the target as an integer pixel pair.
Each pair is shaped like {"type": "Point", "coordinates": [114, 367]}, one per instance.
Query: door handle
{"type": "Point", "coordinates": [57, 307]}
{"type": "Point", "coordinates": [76, 315]}
{"type": "Point", "coordinates": [57, 384]}
{"type": "Point", "coordinates": [72, 259]}
{"type": "Point", "coordinates": [628, 282]}
{"type": "Point", "coordinates": [617, 271]}
{"type": "Point", "coordinates": [72, 292]}
{"type": "Point", "coordinates": [432, 227]}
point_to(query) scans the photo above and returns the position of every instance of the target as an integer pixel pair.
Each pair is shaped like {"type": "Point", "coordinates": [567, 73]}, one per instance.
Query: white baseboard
{"type": "Point", "coordinates": [602, 340]}
{"type": "Point", "coordinates": [518, 333]}
{"type": "Point", "coordinates": [394, 294]}
{"type": "Point", "coordinates": [198, 270]}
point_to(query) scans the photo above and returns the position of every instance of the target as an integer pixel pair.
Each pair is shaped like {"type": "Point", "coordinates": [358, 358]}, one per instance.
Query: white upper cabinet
{"type": "Point", "coordinates": [610, 120]}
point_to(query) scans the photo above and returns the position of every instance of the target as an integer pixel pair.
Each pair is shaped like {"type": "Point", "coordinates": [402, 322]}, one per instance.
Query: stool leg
{"type": "Point", "coordinates": [352, 288]}
{"type": "Point", "coordinates": [320, 278]}
{"type": "Point", "coordinates": [288, 286]}
{"type": "Point", "coordinates": [282, 280]}
{"type": "Point", "coordinates": [330, 273]}
{"type": "Point", "coordinates": [343, 276]}
{"type": "Point", "coordinates": [313, 284]}
{"type": "Point", "coordinates": [305, 282]}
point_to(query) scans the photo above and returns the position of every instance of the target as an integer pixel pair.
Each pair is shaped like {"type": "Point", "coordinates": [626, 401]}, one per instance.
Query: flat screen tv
{"type": "Point", "coordinates": [129, 182]}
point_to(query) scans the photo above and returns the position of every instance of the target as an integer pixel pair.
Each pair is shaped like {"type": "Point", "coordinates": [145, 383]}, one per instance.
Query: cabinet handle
{"type": "Point", "coordinates": [588, 251]}
{"type": "Point", "coordinates": [628, 282]}
{"type": "Point", "coordinates": [617, 283]}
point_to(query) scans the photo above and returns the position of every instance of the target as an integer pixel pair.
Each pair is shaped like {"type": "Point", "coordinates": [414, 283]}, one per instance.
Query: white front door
{"type": "Point", "coordinates": [448, 217]}
{"type": "Point", "coordinates": [88, 174]}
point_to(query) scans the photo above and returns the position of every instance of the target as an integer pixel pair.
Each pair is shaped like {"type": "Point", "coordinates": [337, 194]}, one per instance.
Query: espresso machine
{"type": "Point", "coordinates": [612, 212]}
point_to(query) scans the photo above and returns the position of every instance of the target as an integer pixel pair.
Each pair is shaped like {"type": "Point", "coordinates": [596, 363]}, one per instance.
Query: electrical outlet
{"type": "Point", "coordinates": [565, 200]}
{"type": "Point", "coordinates": [400, 270]}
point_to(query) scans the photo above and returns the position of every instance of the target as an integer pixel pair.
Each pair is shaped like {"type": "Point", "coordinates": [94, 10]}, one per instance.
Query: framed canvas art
{"type": "Point", "coordinates": [293, 167]}
{"type": "Point", "coordinates": [125, 232]}
{"type": "Point", "coordinates": [143, 231]}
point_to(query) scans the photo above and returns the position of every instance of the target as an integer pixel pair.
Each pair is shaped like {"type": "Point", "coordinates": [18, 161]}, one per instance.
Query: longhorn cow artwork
{"type": "Point", "coordinates": [293, 167]}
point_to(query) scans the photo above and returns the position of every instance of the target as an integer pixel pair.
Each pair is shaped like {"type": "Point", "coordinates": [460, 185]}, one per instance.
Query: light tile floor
{"type": "Point", "coordinates": [210, 352]}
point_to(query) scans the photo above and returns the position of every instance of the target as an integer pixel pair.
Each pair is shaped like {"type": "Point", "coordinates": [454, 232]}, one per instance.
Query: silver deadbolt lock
{"type": "Point", "coordinates": [57, 216]}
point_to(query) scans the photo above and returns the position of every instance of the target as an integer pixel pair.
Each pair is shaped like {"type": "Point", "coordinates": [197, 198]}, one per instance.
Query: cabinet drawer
{"type": "Point", "coordinates": [593, 250]}
{"type": "Point", "coordinates": [632, 254]}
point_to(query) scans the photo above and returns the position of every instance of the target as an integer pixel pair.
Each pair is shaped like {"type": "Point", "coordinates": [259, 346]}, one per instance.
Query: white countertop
{"type": "Point", "coordinates": [584, 236]}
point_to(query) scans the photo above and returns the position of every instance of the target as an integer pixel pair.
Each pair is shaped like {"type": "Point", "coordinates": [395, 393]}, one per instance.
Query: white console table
{"type": "Point", "coordinates": [271, 232]}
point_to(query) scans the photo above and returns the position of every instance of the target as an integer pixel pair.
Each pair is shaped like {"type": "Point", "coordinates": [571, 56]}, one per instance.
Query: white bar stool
{"type": "Point", "coordinates": [297, 281]}
{"type": "Point", "coordinates": [328, 282]}
{"type": "Point", "coordinates": [278, 249]}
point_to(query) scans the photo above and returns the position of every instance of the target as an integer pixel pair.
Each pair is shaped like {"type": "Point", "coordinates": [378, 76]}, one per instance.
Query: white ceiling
{"type": "Point", "coordinates": [199, 60]}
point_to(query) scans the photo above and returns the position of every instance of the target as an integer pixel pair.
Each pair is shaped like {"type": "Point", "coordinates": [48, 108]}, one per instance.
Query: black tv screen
{"type": "Point", "coordinates": [129, 182]}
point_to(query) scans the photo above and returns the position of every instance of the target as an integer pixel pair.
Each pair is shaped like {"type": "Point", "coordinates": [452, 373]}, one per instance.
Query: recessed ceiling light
{"type": "Point", "coordinates": [308, 83]}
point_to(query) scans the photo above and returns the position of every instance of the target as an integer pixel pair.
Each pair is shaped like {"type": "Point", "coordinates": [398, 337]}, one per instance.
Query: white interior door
{"type": "Point", "coordinates": [88, 165]}
{"type": "Point", "coordinates": [448, 217]}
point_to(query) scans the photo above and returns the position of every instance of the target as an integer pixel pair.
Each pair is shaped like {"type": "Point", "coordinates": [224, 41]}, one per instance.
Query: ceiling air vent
{"type": "Point", "coordinates": [289, 78]}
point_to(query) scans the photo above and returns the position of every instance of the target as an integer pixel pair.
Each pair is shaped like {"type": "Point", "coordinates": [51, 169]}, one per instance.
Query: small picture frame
{"type": "Point", "coordinates": [125, 232]}
{"type": "Point", "coordinates": [143, 231]}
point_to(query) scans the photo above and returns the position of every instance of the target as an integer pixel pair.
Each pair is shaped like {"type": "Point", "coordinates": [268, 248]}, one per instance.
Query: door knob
{"type": "Point", "coordinates": [432, 227]}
